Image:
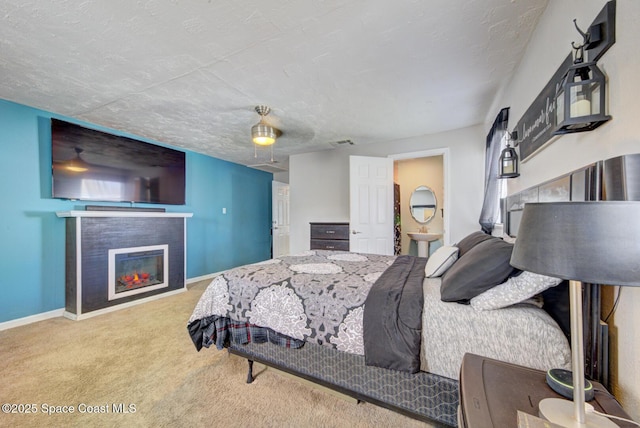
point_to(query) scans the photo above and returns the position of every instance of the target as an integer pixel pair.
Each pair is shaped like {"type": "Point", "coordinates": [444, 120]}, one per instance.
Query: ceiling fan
{"type": "Point", "coordinates": [262, 133]}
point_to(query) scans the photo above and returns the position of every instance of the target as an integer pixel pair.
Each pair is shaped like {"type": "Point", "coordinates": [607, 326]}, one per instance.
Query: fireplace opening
{"type": "Point", "coordinates": [137, 270]}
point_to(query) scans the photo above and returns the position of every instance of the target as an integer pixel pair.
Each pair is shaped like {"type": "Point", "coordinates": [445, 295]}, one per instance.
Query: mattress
{"type": "Point", "coordinates": [520, 334]}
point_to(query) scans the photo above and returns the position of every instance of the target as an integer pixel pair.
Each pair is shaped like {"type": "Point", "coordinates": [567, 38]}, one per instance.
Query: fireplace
{"type": "Point", "coordinates": [137, 270]}
{"type": "Point", "coordinates": [119, 258]}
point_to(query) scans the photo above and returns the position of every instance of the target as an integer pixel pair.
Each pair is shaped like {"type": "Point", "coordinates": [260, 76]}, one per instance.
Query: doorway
{"type": "Point", "coordinates": [280, 226]}
{"type": "Point", "coordinates": [371, 198]}
{"type": "Point", "coordinates": [416, 170]}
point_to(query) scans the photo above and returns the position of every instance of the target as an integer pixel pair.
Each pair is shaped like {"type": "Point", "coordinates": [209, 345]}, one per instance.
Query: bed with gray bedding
{"type": "Point", "coordinates": [521, 334]}
{"type": "Point", "coordinates": [373, 326]}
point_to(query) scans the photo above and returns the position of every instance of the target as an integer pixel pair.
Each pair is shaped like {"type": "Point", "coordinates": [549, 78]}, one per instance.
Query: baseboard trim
{"type": "Point", "coordinates": [95, 313]}
{"type": "Point", "coordinates": [31, 319]}
{"type": "Point", "coordinates": [62, 313]}
{"type": "Point", "coordinates": [202, 278]}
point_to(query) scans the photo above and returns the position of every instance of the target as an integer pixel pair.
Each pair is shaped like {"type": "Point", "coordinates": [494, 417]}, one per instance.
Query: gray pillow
{"type": "Point", "coordinates": [514, 290]}
{"type": "Point", "coordinates": [483, 267]}
{"type": "Point", "coordinates": [470, 241]}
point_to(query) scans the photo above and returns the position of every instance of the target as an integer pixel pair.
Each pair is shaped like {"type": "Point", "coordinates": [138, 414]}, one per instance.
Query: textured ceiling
{"type": "Point", "coordinates": [188, 73]}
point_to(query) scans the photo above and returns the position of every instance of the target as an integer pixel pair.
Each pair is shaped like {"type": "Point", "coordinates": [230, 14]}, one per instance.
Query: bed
{"type": "Point", "coordinates": [378, 327]}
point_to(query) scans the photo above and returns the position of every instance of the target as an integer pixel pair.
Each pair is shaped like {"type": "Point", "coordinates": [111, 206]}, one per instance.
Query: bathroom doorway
{"type": "Point", "coordinates": [417, 174]}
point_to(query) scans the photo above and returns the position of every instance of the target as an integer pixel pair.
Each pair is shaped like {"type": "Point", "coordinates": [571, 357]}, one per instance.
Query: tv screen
{"type": "Point", "coordinates": [96, 166]}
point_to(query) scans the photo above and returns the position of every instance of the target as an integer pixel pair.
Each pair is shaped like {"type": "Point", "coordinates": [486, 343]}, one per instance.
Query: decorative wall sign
{"type": "Point", "coordinates": [535, 127]}
{"type": "Point", "coordinates": [603, 32]}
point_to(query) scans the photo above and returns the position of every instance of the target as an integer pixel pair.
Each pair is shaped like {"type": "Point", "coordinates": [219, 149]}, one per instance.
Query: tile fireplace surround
{"type": "Point", "coordinates": [92, 237]}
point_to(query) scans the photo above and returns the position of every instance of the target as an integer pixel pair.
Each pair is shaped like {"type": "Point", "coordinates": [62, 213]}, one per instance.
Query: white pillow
{"type": "Point", "coordinates": [440, 261]}
{"type": "Point", "coordinates": [514, 290]}
{"type": "Point", "coordinates": [509, 239]}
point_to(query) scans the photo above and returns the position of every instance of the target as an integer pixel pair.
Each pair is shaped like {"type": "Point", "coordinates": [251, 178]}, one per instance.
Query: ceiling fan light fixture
{"type": "Point", "coordinates": [262, 133]}
{"type": "Point", "coordinates": [77, 164]}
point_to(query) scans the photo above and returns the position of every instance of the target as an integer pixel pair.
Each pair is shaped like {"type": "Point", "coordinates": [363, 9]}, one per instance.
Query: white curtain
{"type": "Point", "coordinates": [490, 214]}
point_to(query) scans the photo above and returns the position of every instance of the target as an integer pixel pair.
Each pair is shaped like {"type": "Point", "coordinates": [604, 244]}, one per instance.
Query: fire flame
{"type": "Point", "coordinates": [134, 278]}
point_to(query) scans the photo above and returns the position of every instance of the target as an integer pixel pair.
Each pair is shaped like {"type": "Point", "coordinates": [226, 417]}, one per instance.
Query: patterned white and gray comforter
{"type": "Point", "coordinates": [317, 296]}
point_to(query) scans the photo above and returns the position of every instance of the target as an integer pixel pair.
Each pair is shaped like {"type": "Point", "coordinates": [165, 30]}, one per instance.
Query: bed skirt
{"type": "Point", "coordinates": [422, 395]}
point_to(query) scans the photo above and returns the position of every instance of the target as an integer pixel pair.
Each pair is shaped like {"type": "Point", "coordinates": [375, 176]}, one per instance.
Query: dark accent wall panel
{"type": "Point", "coordinates": [71, 282]}
{"type": "Point", "coordinates": [99, 234]}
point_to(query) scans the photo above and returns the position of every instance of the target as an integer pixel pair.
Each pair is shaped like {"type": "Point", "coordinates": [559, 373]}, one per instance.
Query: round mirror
{"type": "Point", "coordinates": [422, 204]}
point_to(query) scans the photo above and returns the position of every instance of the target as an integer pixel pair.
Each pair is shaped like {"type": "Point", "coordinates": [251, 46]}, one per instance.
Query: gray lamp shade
{"type": "Point", "coordinates": [596, 242]}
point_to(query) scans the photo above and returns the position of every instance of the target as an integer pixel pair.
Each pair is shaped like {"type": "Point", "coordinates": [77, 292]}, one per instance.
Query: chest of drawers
{"type": "Point", "coordinates": [330, 236]}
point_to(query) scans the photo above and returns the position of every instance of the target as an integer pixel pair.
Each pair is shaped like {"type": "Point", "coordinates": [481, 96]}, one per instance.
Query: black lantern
{"type": "Point", "coordinates": [509, 163]}
{"type": "Point", "coordinates": [580, 99]}
{"type": "Point", "coordinates": [581, 94]}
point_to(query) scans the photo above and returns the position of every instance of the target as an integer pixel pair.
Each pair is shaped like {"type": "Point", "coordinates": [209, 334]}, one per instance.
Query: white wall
{"type": "Point", "coordinates": [549, 45]}
{"type": "Point", "coordinates": [319, 182]}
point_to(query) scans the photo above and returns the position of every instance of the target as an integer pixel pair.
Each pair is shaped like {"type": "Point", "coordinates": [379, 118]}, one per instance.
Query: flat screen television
{"type": "Point", "coordinates": [91, 165]}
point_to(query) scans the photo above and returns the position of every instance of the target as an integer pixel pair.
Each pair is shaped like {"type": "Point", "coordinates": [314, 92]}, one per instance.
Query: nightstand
{"type": "Point", "coordinates": [492, 392]}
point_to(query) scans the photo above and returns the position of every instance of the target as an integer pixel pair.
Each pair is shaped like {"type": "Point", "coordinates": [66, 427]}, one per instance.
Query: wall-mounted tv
{"type": "Point", "coordinates": [92, 165]}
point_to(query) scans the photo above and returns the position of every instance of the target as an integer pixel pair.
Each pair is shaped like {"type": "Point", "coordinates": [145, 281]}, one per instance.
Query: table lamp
{"type": "Point", "coordinates": [594, 242]}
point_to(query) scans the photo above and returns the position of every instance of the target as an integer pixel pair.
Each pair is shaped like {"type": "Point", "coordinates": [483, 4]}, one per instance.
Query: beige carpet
{"type": "Point", "coordinates": [142, 359]}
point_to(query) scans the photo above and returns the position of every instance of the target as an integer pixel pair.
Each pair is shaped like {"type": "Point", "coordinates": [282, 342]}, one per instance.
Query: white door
{"type": "Point", "coordinates": [371, 205]}
{"type": "Point", "coordinates": [280, 218]}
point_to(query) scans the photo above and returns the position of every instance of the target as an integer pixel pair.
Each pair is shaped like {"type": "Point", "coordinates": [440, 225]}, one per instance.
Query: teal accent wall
{"type": "Point", "coordinates": [32, 237]}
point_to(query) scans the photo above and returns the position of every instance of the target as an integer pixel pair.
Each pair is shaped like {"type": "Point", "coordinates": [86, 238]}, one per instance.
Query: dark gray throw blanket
{"type": "Point", "coordinates": [392, 320]}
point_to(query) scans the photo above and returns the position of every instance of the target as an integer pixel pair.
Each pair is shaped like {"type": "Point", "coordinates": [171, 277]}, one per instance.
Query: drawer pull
{"type": "Point", "coordinates": [330, 247]}
{"type": "Point", "coordinates": [330, 231]}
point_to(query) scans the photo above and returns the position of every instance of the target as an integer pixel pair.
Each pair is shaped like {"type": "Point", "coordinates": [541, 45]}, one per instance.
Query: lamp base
{"type": "Point", "coordinates": [561, 412]}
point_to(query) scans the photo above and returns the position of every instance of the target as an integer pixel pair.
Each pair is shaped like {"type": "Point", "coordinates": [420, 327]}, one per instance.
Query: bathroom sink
{"type": "Point", "coordinates": [423, 239]}
{"type": "Point", "coordinates": [424, 236]}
